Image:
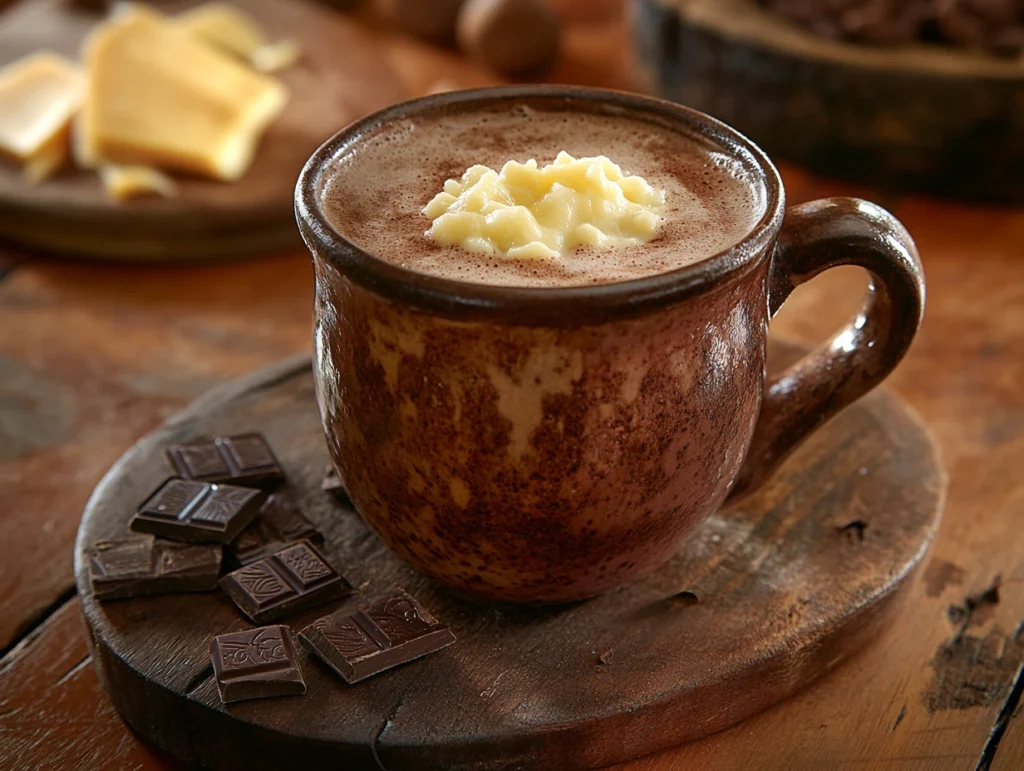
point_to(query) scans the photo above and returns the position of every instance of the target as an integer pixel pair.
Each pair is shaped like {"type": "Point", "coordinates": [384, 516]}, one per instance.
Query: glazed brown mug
{"type": "Point", "coordinates": [549, 444]}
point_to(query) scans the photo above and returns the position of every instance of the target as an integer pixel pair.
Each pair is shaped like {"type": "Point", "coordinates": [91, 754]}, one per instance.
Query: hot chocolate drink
{"type": "Point", "coordinates": [542, 428]}
{"type": "Point", "coordinates": [376, 195]}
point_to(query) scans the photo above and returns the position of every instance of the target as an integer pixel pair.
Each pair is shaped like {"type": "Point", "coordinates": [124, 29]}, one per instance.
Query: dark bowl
{"type": "Point", "coordinates": [923, 118]}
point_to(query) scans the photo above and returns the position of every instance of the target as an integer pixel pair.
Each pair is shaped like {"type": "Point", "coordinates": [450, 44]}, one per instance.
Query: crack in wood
{"type": "Point", "coordinates": [686, 597]}
{"type": "Point", "coordinates": [33, 626]}
{"type": "Point", "coordinates": [199, 678]}
{"type": "Point", "coordinates": [384, 728]}
{"type": "Point", "coordinates": [73, 671]}
{"type": "Point", "coordinates": [899, 717]}
{"type": "Point", "coordinates": [854, 529]}
{"type": "Point", "coordinates": [1005, 714]}
{"type": "Point", "coordinates": [389, 720]}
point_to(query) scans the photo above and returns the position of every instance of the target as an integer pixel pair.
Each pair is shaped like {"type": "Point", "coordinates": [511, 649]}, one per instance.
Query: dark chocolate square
{"type": "Point", "coordinates": [256, 664]}
{"type": "Point", "coordinates": [278, 524]}
{"type": "Point", "coordinates": [331, 483]}
{"type": "Point", "coordinates": [295, 578]}
{"type": "Point", "coordinates": [142, 565]}
{"type": "Point", "coordinates": [244, 459]}
{"type": "Point", "coordinates": [199, 512]}
{"type": "Point", "coordinates": [392, 631]}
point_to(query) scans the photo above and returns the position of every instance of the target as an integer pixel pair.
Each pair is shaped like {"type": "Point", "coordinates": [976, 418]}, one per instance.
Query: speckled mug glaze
{"type": "Point", "coordinates": [547, 445]}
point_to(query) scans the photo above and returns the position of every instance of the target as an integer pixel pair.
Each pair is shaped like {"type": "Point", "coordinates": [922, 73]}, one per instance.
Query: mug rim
{"type": "Point", "coordinates": [542, 306]}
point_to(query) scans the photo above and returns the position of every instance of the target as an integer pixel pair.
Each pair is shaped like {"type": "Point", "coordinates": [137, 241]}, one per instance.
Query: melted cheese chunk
{"type": "Point", "coordinates": [527, 211]}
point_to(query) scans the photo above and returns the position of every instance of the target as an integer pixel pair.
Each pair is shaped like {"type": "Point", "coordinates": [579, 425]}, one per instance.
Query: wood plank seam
{"type": "Point", "coordinates": [84, 661]}
{"type": "Point", "coordinates": [34, 623]}
{"type": "Point", "coordinates": [1005, 714]}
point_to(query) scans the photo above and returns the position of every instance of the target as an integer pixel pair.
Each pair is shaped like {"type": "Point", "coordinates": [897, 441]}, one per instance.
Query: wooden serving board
{"type": "Point", "coordinates": [342, 76]}
{"type": "Point", "coordinates": [763, 600]}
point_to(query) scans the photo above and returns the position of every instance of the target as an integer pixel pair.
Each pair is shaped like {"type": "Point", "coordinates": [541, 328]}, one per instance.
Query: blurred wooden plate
{"type": "Point", "coordinates": [342, 76]}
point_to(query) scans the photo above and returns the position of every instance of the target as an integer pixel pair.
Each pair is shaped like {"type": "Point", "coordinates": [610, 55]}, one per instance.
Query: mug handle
{"type": "Point", "coordinates": [815, 237]}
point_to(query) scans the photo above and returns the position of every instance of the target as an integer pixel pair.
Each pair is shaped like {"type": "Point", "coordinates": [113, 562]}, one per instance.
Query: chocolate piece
{"type": "Point", "coordinates": [196, 511]}
{"type": "Point", "coordinates": [332, 484]}
{"type": "Point", "coordinates": [141, 565]}
{"type": "Point", "coordinates": [245, 460]}
{"type": "Point", "coordinates": [256, 664]}
{"type": "Point", "coordinates": [295, 578]}
{"type": "Point", "coordinates": [278, 524]}
{"type": "Point", "coordinates": [390, 632]}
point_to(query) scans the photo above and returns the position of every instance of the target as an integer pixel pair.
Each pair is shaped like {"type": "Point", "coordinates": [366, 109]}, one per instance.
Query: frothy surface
{"type": "Point", "coordinates": [376, 193]}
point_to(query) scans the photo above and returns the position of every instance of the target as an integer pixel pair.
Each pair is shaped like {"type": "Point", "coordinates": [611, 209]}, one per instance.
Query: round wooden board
{"type": "Point", "coordinates": [764, 599]}
{"type": "Point", "coordinates": [919, 117]}
{"type": "Point", "coordinates": [342, 76]}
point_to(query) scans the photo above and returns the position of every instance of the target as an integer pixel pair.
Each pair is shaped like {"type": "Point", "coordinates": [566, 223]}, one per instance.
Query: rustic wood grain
{"type": "Point", "coordinates": [340, 77]}
{"type": "Point", "coordinates": [93, 357]}
{"type": "Point", "coordinates": [778, 591]}
{"type": "Point", "coordinates": [44, 686]}
{"type": "Point", "coordinates": [137, 358]}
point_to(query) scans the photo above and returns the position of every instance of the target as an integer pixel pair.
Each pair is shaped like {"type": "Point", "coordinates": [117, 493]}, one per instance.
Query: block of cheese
{"type": "Point", "coordinates": [224, 26]}
{"type": "Point", "coordinates": [124, 182]}
{"type": "Point", "coordinates": [39, 95]}
{"type": "Point", "coordinates": [157, 96]}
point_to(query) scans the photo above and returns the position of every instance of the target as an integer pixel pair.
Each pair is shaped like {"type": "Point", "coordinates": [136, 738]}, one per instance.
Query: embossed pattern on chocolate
{"type": "Point", "coordinates": [245, 459]}
{"type": "Point", "coordinates": [184, 510]}
{"type": "Point", "coordinates": [295, 578]}
{"type": "Point", "coordinates": [393, 631]}
{"type": "Point", "coordinates": [142, 565]}
{"type": "Point", "coordinates": [256, 663]}
{"type": "Point", "coordinates": [278, 524]}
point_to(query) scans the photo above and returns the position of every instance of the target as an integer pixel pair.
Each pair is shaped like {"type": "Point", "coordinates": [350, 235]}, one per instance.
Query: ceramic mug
{"type": "Point", "coordinates": [549, 444]}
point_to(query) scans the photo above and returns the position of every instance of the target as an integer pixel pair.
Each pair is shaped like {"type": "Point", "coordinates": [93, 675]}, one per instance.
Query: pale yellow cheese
{"type": "Point", "coordinates": [225, 27]}
{"type": "Point", "coordinates": [124, 182]}
{"type": "Point", "coordinates": [527, 211]}
{"type": "Point", "coordinates": [274, 57]}
{"type": "Point", "coordinates": [157, 96]}
{"type": "Point", "coordinates": [39, 94]}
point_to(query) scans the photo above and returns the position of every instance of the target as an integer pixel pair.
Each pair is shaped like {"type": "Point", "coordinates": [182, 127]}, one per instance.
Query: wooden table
{"type": "Point", "coordinates": [92, 357]}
